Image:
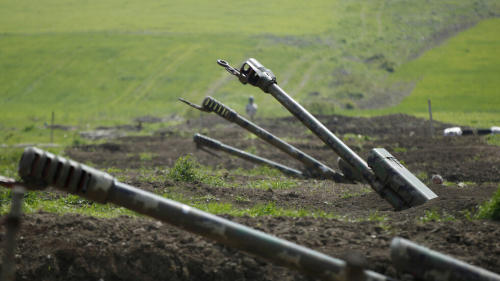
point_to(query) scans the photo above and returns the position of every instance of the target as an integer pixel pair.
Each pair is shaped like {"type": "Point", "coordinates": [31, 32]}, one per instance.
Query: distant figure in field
{"type": "Point", "coordinates": [251, 108]}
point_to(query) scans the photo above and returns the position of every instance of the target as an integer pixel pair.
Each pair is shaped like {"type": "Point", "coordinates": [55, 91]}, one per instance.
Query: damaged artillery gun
{"type": "Point", "coordinates": [39, 169]}
{"type": "Point", "coordinates": [385, 174]}
{"type": "Point", "coordinates": [314, 167]}
{"type": "Point", "coordinates": [201, 141]}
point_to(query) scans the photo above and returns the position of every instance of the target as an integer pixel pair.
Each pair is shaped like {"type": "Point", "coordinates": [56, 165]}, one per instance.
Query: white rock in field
{"type": "Point", "coordinates": [461, 184]}
{"type": "Point", "coordinates": [455, 131]}
{"type": "Point", "coordinates": [437, 179]}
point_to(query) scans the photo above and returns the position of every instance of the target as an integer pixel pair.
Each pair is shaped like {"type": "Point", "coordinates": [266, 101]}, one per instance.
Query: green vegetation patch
{"type": "Point", "coordinates": [491, 208]}
{"type": "Point", "coordinates": [278, 183]}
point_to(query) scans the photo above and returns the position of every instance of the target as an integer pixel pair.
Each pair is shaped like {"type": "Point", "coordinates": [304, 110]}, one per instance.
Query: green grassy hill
{"type": "Point", "coordinates": [106, 62]}
{"type": "Point", "coordinates": [461, 77]}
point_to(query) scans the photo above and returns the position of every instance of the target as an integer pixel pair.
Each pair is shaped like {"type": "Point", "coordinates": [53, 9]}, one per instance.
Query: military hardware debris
{"type": "Point", "coordinates": [40, 169]}
{"type": "Point", "coordinates": [426, 264]}
{"type": "Point", "coordinates": [201, 140]}
{"type": "Point", "coordinates": [391, 180]}
{"type": "Point", "coordinates": [314, 167]}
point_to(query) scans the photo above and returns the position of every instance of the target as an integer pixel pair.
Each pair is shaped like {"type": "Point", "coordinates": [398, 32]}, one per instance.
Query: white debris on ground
{"type": "Point", "coordinates": [455, 131]}
{"type": "Point", "coordinates": [495, 130]}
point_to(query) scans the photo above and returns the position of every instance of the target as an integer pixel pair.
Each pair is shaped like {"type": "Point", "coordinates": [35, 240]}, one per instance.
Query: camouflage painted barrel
{"type": "Point", "coordinates": [314, 167]}
{"type": "Point", "coordinates": [12, 223]}
{"type": "Point", "coordinates": [38, 169]}
{"type": "Point", "coordinates": [255, 74]}
{"type": "Point", "coordinates": [217, 145]}
{"type": "Point", "coordinates": [426, 264]}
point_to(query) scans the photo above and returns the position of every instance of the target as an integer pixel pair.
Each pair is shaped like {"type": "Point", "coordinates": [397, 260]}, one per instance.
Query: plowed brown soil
{"type": "Point", "coordinates": [74, 247]}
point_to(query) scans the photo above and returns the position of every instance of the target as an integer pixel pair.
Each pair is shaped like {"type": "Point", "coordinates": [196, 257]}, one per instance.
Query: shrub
{"type": "Point", "coordinates": [28, 128]}
{"type": "Point", "coordinates": [350, 105]}
{"type": "Point", "coordinates": [490, 209]}
{"type": "Point", "coordinates": [184, 170]}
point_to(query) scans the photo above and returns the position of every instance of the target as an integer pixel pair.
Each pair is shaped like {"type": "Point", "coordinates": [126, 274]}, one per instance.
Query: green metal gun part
{"type": "Point", "coordinates": [426, 264]}
{"type": "Point", "coordinates": [201, 140]}
{"type": "Point", "coordinates": [314, 167]}
{"type": "Point", "coordinates": [391, 180]}
{"type": "Point", "coordinates": [40, 169]}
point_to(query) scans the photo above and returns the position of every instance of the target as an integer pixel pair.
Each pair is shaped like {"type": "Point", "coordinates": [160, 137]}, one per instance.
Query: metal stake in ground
{"type": "Point", "coordinates": [13, 224]}
{"type": "Point", "coordinates": [430, 116]}
{"type": "Point", "coordinates": [391, 180]}
{"type": "Point", "coordinates": [314, 167]}
{"type": "Point", "coordinates": [40, 169]}
{"type": "Point", "coordinates": [52, 129]}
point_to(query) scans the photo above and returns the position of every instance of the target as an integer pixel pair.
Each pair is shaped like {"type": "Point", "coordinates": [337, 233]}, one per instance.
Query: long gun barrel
{"type": "Point", "coordinates": [201, 140]}
{"type": "Point", "coordinates": [40, 169]}
{"type": "Point", "coordinates": [313, 166]}
{"type": "Point", "coordinates": [426, 264]}
{"type": "Point", "coordinates": [391, 180]}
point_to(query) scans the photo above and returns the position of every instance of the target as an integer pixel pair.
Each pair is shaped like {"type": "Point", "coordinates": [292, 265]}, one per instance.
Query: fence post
{"type": "Point", "coordinates": [430, 114]}
{"type": "Point", "coordinates": [52, 129]}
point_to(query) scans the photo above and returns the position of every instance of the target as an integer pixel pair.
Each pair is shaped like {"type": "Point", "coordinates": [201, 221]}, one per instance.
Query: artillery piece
{"type": "Point", "coordinates": [426, 264]}
{"type": "Point", "coordinates": [314, 167]}
{"type": "Point", "coordinates": [40, 169]}
{"type": "Point", "coordinates": [389, 178]}
{"type": "Point", "coordinates": [201, 140]}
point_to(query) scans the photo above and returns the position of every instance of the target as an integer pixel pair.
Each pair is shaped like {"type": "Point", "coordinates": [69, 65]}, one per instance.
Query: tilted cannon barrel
{"type": "Point", "coordinates": [389, 178]}
{"type": "Point", "coordinates": [201, 140]}
{"type": "Point", "coordinates": [313, 166]}
{"type": "Point", "coordinates": [40, 169]}
{"type": "Point", "coordinates": [426, 264]}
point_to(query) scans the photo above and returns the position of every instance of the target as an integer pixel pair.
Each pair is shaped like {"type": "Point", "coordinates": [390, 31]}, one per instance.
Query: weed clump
{"type": "Point", "coordinates": [490, 209]}
{"type": "Point", "coordinates": [184, 170]}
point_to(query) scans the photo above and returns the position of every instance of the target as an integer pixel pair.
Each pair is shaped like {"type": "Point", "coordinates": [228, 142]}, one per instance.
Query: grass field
{"type": "Point", "coordinates": [104, 63]}
{"type": "Point", "coordinates": [461, 78]}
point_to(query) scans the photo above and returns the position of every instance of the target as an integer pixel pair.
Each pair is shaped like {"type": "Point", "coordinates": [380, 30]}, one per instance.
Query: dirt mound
{"type": "Point", "coordinates": [74, 247]}
{"type": "Point", "coordinates": [466, 158]}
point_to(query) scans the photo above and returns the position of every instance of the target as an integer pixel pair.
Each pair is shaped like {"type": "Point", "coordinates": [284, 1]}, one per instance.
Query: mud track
{"type": "Point", "coordinates": [74, 247]}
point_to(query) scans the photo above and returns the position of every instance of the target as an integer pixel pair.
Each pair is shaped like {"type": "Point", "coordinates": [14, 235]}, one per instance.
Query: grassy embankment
{"type": "Point", "coordinates": [104, 63]}
{"type": "Point", "coordinates": [460, 77]}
